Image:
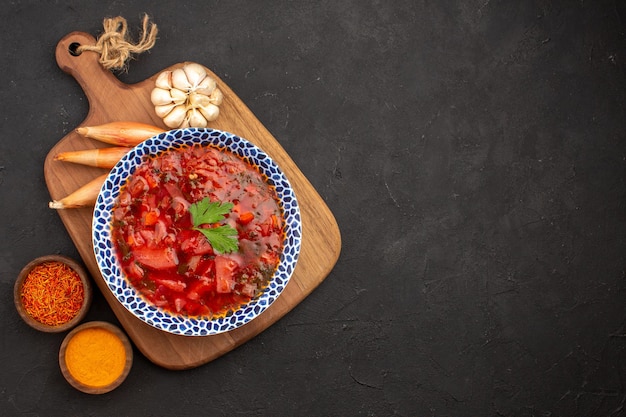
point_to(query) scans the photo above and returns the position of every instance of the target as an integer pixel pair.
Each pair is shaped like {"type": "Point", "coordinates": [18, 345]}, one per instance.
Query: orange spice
{"type": "Point", "coordinates": [95, 357]}
{"type": "Point", "coordinates": [52, 293]}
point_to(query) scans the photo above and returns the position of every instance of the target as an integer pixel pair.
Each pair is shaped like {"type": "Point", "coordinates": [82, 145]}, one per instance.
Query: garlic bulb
{"type": "Point", "coordinates": [186, 97]}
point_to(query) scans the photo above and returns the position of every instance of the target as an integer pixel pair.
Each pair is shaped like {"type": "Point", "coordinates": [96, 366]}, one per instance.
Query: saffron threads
{"type": "Point", "coordinates": [52, 293]}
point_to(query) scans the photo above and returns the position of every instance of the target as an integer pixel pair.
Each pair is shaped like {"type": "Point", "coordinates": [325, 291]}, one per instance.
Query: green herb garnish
{"type": "Point", "coordinates": [223, 238]}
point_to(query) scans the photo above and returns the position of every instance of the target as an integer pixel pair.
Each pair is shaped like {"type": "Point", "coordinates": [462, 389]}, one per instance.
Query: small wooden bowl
{"type": "Point", "coordinates": [80, 385]}
{"type": "Point", "coordinates": [80, 315]}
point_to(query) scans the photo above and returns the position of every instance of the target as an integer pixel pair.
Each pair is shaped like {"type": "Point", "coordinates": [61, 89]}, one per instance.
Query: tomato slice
{"type": "Point", "coordinates": [156, 258]}
{"type": "Point", "coordinates": [224, 268]}
{"type": "Point", "coordinates": [195, 243]}
{"type": "Point", "coordinates": [197, 290]}
{"type": "Point", "coordinates": [171, 284]}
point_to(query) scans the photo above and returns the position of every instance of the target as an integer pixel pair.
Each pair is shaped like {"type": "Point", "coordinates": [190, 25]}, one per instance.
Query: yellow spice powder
{"type": "Point", "coordinates": [95, 357]}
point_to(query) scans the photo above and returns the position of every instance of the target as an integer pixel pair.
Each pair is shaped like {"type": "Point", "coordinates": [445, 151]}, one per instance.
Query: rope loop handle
{"type": "Point", "coordinates": [114, 45]}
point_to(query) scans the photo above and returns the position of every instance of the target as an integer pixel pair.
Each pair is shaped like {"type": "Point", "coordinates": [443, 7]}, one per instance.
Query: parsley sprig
{"type": "Point", "coordinates": [223, 238]}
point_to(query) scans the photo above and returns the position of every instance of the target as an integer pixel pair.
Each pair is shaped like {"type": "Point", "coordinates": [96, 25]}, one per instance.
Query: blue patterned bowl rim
{"type": "Point", "coordinates": [110, 267]}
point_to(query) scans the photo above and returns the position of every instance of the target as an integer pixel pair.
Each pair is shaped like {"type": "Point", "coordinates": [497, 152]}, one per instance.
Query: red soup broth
{"type": "Point", "coordinates": [174, 266]}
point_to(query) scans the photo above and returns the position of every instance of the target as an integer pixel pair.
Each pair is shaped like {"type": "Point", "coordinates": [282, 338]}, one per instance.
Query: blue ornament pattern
{"type": "Point", "coordinates": [111, 269]}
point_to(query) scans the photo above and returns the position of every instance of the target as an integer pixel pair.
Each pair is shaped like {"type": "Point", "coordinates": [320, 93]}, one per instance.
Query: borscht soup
{"type": "Point", "coordinates": [197, 230]}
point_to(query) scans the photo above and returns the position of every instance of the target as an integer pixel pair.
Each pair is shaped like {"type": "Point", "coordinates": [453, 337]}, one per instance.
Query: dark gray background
{"type": "Point", "coordinates": [473, 153]}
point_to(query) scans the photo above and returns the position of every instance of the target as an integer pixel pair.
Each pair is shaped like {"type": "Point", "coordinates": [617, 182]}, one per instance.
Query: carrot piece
{"type": "Point", "coordinates": [151, 218]}
{"type": "Point", "coordinates": [245, 218]}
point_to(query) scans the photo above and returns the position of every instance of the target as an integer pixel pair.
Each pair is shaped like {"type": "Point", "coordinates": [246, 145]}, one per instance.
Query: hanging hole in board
{"type": "Point", "coordinates": [73, 49]}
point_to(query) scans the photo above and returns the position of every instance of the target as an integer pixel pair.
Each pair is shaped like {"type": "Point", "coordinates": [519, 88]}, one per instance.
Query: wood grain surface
{"type": "Point", "coordinates": [111, 100]}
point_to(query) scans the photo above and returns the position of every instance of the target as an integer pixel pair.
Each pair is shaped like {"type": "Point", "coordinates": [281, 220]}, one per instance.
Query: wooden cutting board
{"type": "Point", "coordinates": [111, 100]}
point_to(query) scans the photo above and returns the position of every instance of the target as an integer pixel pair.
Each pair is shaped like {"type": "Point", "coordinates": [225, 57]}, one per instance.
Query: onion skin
{"type": "Point", "coordinates": [84, 196]}
{"type": "Point", "coordinates": [120, 133]}
{"type": "Point", "coordinates": [123, 135]}
{"type": "Point", "coordinates": [99, 157]}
